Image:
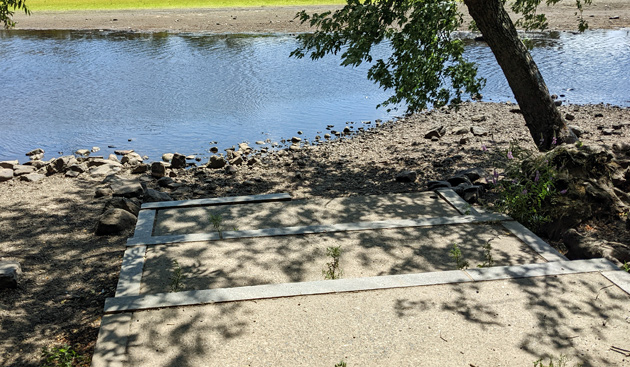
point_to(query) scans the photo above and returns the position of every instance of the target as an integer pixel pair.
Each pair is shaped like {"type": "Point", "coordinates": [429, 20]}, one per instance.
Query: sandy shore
{"type": "Point", "coordinates": [603, 14]}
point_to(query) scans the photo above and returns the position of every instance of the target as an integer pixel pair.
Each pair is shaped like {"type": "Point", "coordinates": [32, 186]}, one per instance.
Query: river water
{"type": "Point", "coordinates": [157, 93]}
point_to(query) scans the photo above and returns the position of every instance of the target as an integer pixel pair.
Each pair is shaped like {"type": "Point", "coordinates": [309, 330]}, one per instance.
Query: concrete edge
{"type": "Point", "coordinates": [620, 278]}
{"type": "Point", "coordinates": [145, 223]}
{"type": "Point", "coordinates": [161, 300]}
{"type": "Point", "coordinates": [456, 202]}
{"type": "Point", "coordinates": [536, 243]}
{"type": "Point", "coordinates": [217, 201]}
{"type": "Point", "coordinates": [542, 269]}
{"type": "Point", "coordinates": [111, 346]}
{"type": "Point", "coordinates": [326, 228]}
{"type": "Point", "coordinates": [130, 277]}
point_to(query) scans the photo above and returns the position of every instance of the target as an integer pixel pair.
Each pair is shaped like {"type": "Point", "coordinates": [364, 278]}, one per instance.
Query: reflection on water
{"type": "Point", "coordinates": [64, 90]}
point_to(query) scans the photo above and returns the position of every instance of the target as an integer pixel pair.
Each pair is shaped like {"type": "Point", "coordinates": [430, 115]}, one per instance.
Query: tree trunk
{"type": "Point", "coordinates": [542, 118]}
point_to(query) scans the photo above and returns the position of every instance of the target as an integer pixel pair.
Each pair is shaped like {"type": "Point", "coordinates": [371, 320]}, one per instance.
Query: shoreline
{"type": "Point", "coordinates": [603, 14]}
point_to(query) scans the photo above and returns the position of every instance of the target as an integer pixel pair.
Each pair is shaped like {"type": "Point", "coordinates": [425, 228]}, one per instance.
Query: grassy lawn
{"type": "Point", "coordinates": [39, 5]}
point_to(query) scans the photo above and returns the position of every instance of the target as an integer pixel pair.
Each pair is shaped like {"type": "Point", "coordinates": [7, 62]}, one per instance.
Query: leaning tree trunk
{"type": "Point", "coordinates": [542, 118]}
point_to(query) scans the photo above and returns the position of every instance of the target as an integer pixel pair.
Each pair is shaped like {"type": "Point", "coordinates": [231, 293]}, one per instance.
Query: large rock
{"type": "Point", "coordinates": [216, 162]}
{"type": "Point", "coordinates": [406, 176]}
{"type": "Point", "coordinates": [8, 164]}
{"type": "Point", "coordinates": [436, 133]}
{"type": "Point", "coordinates": [60, 164]}
{"type": "Point", "coordinates": [10, 272]}
{"type": "Point", "coordinates": [128, 188]}
{"type": "Point", "coordinates": [106, 169]}
{"type": "Point", "coordinates": [36, 164]}
{"type": "Point", "coordinates": [178, 161]}
{"type": "Point", "coordinates": [167, 157]}
{"type": "Point", "coordinates": [32, 177]}
{"type": "Point", "coordinates": [35, 151]}
{"type": "Point", "coordinates": [5, 174]}
{"type": "Point", "coordinates": [115, 221]}
{"type": "Point", "coordinates": [158, 169]}
{"type": "Point", "coordinates": [132, 159]}
{"type": "Point", "coordinates": [141, 168]}
{"type": "Point", "coordinates": [479, 131]}
{"type": "Point", "coordinates": [123, 203]}
{"type": "Point", "coordinates": [151, 195]}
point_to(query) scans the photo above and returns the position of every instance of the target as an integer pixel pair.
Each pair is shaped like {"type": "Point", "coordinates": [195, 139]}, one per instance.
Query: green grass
{"type": "Point", "coordinates": [47, 5]}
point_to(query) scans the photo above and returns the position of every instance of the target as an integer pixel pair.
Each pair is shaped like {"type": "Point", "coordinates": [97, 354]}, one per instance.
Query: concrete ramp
{"type": "Point", "coordinates": [256, 296]}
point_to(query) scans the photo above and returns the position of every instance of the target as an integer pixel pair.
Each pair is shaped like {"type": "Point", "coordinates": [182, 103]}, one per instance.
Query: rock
{"type": "Point", "coordinates": [140, 168]}
{"type": "Point", "coordinates": [260, 142]}
{"type": "Point", "coordinates": [478, 118]}
{"type": "Point", "coordinates": [295, 139]}
{"type": "Point", "coordinates": [9, 164]}
{"type": "Point", "coordinates": [167, 157]}
{"type": "Point", "coordinates": [347, 130]}
{"type": "Point", "coordinates": [214, 150]}
{"type": "Point", "coordinates": [436, 133]}
{"type": "Point", "coordinates": [20, 170]}
{"type": "Point", "coordinates": [230, 170]}
{"type": "Point", "coordinates": [72, 174]}
{"type": "Point", "coordinates": [132, 159]}
{"type": "Point", "coordinates": [35, 151]}
{"type": "Point", "coordinates": [178, 161]}
{"type": "Point", "coordinates": [216, 162]}
{"type": "Point", "coordinates": [115, 221]}
{"type": "Point", "coordinates": [237, 161]}
{"type": "Point", "coordinates": [123, 203]}
{"type": "Point", "coordinates": [406, 176]}
{"type": "Point", "coordinates": [125, 187]}
{"type": "Point", "coordinates": [36, 157]}
{"type": "Point", "coordinates": [473, 174]}
{"type": "Point", "coordinates": [244, 148]}
{"type": "Point", "coordinates": [472, 193]}
{"type": "Point", "coordinates": [464, 140]}
{"type": "Point", "coordinates": [95, 162]}
{"type": "Point", "coordinates": [32, 177]}
{"type": "Point", "coordinates": [82, 152]}
{"type": "Point", "coordinates": [191, 157]}
{"type": "Point", "coordinates": [585, 247]}
{"type": "Point", "coordinates": [123, 151]}
{"type": "Point", "coordinates": [294, 147]}
{"type": "Point", "coordinates": [113, 158]}
{"type": "Point", "coordinates": [478, 131]}
{"type": "Point", "coordinates": [607, 131]}
{"type": "Point", "coordinates": [103, 191]}
{"type": "Point", "coordinates": [434, 185]}
{"type": "Point", "coordinates": [462, 131]}
{"type": "Point", "coordinates": [151, 195]}
{"type": "Point", "coordinates": [569, 117]}
{"type": "Point", "coordinates": [36, 164]}
{"type": "Point", "coordinates": [78, 167]}
{"type": "Point", "coordinates": [254, 162]}
{"type": "Point", "coordinates": [327, 136]}
{"type": "Point", "coordinates": [598, 115]}
{"type": "Point", "coordinates": [6, 174]}
{"type": "Point", "coordinates": [158, 169]}
{"type": "Point", "coordinates": [458, 180]}
{"type": "Point", "coordinates": [557, 103]}
{"type": "Point", "coordinates": [60, 164]}
{"type": "Point", "coordinates": [10, 273]}
{"type": "Point", "coordinates": [167, 182]}
{"type": "Point", "coordinates": [578, 131]}
{"type": "Point", "coordinates": [95, 149]}
{"type": "Point", "coordinates": [105, 169]}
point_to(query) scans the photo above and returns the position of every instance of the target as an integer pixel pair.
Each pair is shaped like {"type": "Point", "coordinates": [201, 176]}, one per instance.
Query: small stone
{"type": "Point", "coordinates": [140, 168]}
{"type": "Point", "coordinates": [294, 147]}
{"type": "Point", "coordinates": [214, 150]}
{"type": "Point", "coordinates": [569, 117]}
{"type": "Point", "coordinates": [36, 164]}
{"type": "Point", "coordinates": [167, 157]}
{"type": "Point", "coordinates": [260, 142]}
{"type": "Point", "coordinates": [131, 159]}
{"type": "Point", "coordinates": [115, 221]}
{"type": "Point", "coordinates": [166, 182]}
{"type": "Point", "coordinates": [35, 151]}
{"type": "Point", "coordinates": [95, 149]}
{"type": "Point", "coordinates": [433, 185]}
{"type": "Point", "coordinates": [32, 177]}
{"type": "Point", "coordinates": [230, 170]}
{"type": "Point", "coordinates": [78, 167]}
{"type": "Point", "coordinates": [478, 118]}
{"type": "Point", "coordinates": [82, 152]}
{"type": "Point", "coordinates": [347, 130]}
{"type": "Point", "coordinates": [10, 272]}
{"type": "Point", "coordinates": [578, 131]}
{"type": "Point", "coordinates": [237, 161]}
{"type": "Point", "coordinates": [216, 162]}
{"type": "Point", "coordinates": [5, 174]}
{"type": "Point", "coordinates": [254, 162]}
{"type": "Point", "coordinates": [151, 195]}
{"type": "Point", "coordinates": [478, 131]}
{"type": "Point", "coordinates": [123, 203]}
{"type": "Point", "coordinates": [406, 176]}
{"type": "Point", "coordinates": [244, 148]}
{"type": "Point", "coordinates": [300, 132]}
{"type": "Point", "coordinates": [473, 174]}
{"type": "Point", "coordinates": [557, 103]}
{"type": "Point", "coordinates": [178, 161]}
{"type": "Point", "coordinates": [126, 187]}
{"type": "Point", "coordinates": [103, 191]}
{"type": "Point", "coordinates": [123, 151]}
{"type": "Point", "coordinates": [436, 133]}
{"type": "Point", "coordinates": [607, 131]}
{"type": "Point", "coordinates": [462, 131]}
{"type": "Point", "coordinates": [72, 174]}
{"type": "Point", "coordinates": [113, 158]}
{"type": "Point", "coordinates": [465, 140]}
{"type": "Point", "coordinates": [295, 139]}
{"type": "Point", "coordinates": [158, 169]}
{"type": "Point", "coordinates": [20, 170]}
{"type": "Point", "coordinates": [599, 115]}
{"type": "Point", "coordinates": [327, 136]}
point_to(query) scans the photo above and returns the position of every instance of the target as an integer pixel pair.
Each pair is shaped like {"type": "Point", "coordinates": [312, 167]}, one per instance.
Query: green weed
{"type": "Point", "coordinates": [487, 254]}
{"type": "Point", "coordinates": [217, 224]}
{"type": "Point", "coordinates": [177, 277]}
{"type": "Point", "coordinates": [563, 361]}
{"type": "Point", "coordinates": [63, 356]}
{"type": "Point", "coordinates": [333, 271]}
{"type": "Point", "coordinates": [456, 254]}
{"type": "Point", "coordinates": [341, 364]}
{"type": "Point", "coordinates": [626, 266]}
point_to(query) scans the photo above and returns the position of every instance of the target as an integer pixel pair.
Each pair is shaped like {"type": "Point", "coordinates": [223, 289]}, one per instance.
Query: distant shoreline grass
{"type": "Point", "coordinates": [50, 5]}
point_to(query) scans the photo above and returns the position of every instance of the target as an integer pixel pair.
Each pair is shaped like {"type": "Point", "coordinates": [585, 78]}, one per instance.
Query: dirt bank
{"type": "Point", "coordinates": [603, 14]}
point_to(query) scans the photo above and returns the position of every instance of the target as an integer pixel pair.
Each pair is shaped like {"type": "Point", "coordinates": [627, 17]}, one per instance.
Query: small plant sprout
{"type": "Point", "coordinates": [217, 224]}
{"type": "Point", "coordinates": [456, 254]}
{"type": "Point", "coordinates": [626, 266]}
{"type": "Point", "coordinates": [333, 271]}
{"type": "Point", "coordinates": [63, 356]}
{"type": "Point", "coordinates": [177, 277]}
{"type": "Point", "coordinates": [487, 253]}
{"type": "Point", "coordinates": [341, 364]}
{"type": "Point", "coordinates": [563, 361]}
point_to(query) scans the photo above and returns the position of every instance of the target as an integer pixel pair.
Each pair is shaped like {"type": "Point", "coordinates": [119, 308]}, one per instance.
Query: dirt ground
{"type": "Point", "coordinates": [48, 226]}
{"type": "Point", "coordinates": [603, 14]}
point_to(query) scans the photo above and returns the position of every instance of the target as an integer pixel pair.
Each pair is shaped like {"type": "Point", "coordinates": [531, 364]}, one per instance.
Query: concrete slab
{"type": "Point", "coordinates": [245, 262]}
{"type": "Point", "coordinates": [322, 228]}
{"type": "Point", "coordinates": [144, 225]}
{"type": "Point", "coordinates": [111, 345]}
{"type": "Point", "coordinates": [130, 277]}
{"type": "Point", "coordinates": [315, 211]}
{"type": "Point", "coordinates": [620, 278]}
{"type": "Point", "coordinates": [535, 242]}
{"type": "Point", "coordinates": [538, 270]}
{"type": "Point", "coordinates": [511, 322]}
{"type": "Point", "coordinates": [457, 202]}
{"type": "Point", "coordinates": [217, 201]}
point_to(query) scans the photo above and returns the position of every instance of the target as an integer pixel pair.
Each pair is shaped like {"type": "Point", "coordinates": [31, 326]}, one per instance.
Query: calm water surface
{"type": "Point", "coordinates": [64, 90]}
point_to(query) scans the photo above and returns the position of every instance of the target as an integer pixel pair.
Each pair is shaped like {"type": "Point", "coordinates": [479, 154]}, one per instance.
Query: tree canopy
{"type": "Point", "coordinates": [7, 9]}
{"type": "Point", "coordinates": [426, 65]}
